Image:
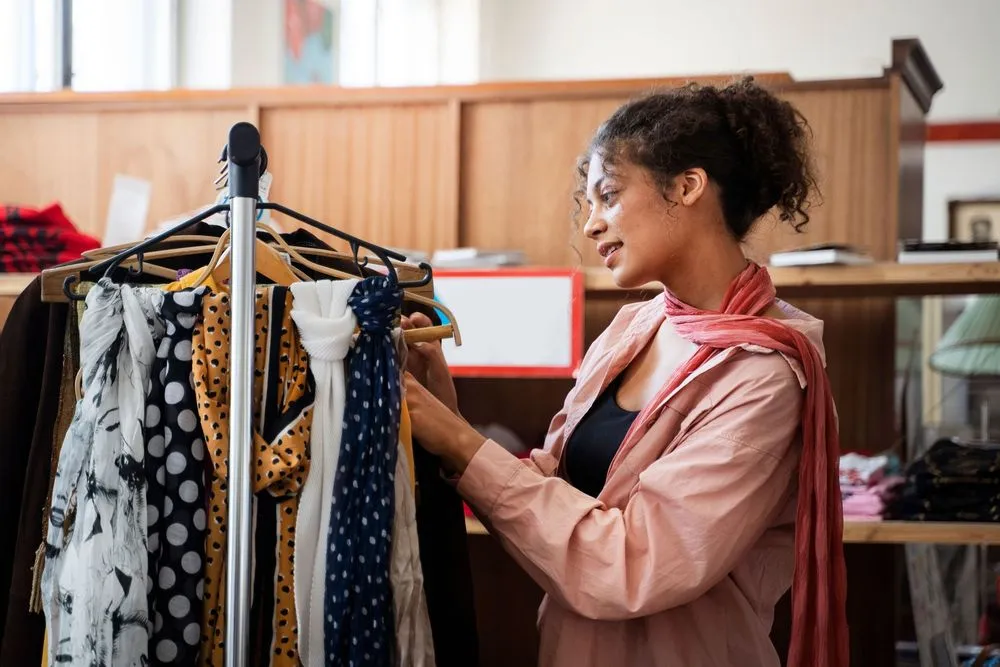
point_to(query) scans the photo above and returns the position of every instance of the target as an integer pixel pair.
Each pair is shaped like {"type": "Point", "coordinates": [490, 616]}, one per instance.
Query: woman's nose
{"type": "Point", "coordinates": [595, 226]}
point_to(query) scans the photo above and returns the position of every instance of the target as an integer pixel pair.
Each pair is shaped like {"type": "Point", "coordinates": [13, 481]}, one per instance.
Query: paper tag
{"type": "Point", "coordinates": [127, 210]}
{"type": "Point", "coordinates": [263, 189]}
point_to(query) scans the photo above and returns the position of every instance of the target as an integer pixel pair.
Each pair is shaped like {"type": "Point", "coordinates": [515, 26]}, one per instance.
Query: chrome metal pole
{"type": "Point", "coordinates": [244, 172]}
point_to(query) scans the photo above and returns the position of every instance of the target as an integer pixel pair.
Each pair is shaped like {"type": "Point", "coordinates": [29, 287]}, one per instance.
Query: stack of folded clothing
{"type": "Point", "coordinates": [35, 239]}
{"type": "Point", "coordinates": [951, 482]}
{"type": "Point", "coordinates": [866, 485]}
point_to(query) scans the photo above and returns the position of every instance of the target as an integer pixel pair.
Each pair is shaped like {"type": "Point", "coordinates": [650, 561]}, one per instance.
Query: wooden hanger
{"type": "Point", "coordinates": [423, 334]}
{"type": "Point", "coordinates": [268, 263]}
{"type": "Point", "coordinates": [54, 277]}
{"type": "Point", "coordinates": [173, 242]}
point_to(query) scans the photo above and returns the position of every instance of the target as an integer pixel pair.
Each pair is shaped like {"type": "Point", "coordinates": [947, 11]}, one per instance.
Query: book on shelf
{"type": "Point", "coordinates": [946, 252]}
{"type": "Point", "coordinates": [469, 258]}
{"type": "Point", "coordinates": [822, 254]}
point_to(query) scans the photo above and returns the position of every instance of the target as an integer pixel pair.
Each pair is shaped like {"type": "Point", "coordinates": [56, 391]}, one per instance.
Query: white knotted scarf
{"type": "Point", "coordinates": [326, 326]}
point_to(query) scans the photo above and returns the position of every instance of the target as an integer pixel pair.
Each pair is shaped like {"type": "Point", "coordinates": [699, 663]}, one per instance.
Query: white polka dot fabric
{"type": "Point", "coordinates": [175, 468]}
{"type": "Point", "coordinates": [359, 628]}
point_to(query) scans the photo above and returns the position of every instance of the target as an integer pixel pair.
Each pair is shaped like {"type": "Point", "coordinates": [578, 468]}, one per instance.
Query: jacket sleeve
{"type": "Point", "coordinates": [692, 516]}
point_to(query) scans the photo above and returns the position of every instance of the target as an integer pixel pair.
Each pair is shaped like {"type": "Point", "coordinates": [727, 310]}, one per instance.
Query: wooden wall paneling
{"type": "Point", "coordinates": [73, 159]}
{"type": "Point", "coordinates": [857, 334]}
{"type": "Point", "coordinates": [850, 141]}
{"type": "Point", "coordinates": [176, 150]}
{"type": "Point", "coordinates": [911, 126]}
{"type": "Point", "coordinates": [52, 158]}
{"type": "Point", "coordinates": [518, 175]}
{"type": "Point", "coordinates": [519, 157]}
{"type": "Point", "coordinates": [384, 173]}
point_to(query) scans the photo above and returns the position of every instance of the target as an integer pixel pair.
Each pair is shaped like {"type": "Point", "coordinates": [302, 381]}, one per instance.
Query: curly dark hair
{"type": "Point", "coordinates": [752, 144]}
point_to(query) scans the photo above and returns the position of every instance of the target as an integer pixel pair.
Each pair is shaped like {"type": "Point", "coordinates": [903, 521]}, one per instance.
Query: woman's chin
{"type": "Point", "coordinates": [623, 279]}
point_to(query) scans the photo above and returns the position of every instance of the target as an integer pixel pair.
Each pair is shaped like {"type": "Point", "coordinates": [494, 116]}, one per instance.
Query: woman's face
{"type": "Point", "coordinates": [631, 222]}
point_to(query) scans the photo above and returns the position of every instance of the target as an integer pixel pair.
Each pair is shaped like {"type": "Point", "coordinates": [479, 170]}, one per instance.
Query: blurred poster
{"type": "Point", "coordinates": [308, 42]}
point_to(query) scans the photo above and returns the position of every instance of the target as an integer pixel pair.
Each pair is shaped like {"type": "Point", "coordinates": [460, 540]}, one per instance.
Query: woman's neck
{"type": "Point", "coordinates": [703, 279]}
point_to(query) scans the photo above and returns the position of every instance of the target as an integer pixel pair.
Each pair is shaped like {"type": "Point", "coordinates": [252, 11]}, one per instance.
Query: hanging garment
{"type": "Point", "coordinates": [414, 640]}
{"type": "Point", "coordinates": [175, 501]}
{"type": "Point", "coordinates": [31, 377]}
{"type": "Point", "coordinates": [282, 405]}
{"type": "Point", "coordinates": [26, 420]}
{"type": "Point", "coordinates": [358, 606]}
{"type": "Point", "coordinates": [326, 327]}
{"type": "Point", "coordinates": [94, 582]}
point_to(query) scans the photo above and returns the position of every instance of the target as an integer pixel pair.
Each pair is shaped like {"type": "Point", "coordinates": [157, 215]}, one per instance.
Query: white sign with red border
{"type": "Point", "coordinates": [515, 322]}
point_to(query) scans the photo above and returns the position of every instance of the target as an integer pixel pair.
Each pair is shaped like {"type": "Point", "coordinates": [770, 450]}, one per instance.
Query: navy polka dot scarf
{"type": "Point", "coordinates": [358, 604]}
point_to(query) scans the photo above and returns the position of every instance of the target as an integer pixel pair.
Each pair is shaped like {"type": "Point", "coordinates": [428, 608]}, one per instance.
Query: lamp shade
{"type": "Point", "coordinates": [971, 346]}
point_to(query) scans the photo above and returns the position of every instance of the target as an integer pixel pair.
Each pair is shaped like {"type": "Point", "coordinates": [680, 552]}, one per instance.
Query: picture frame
{"type": "Point", "coordinates": [974, 219]}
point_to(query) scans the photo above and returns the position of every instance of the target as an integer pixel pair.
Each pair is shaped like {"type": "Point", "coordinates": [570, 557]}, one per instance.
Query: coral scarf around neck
{"type": "Point", "coordinates": [819, 586]}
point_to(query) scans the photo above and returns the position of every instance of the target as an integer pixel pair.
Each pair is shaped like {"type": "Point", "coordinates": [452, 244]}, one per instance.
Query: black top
{"type": "Point", "coordinates": [595, 441]}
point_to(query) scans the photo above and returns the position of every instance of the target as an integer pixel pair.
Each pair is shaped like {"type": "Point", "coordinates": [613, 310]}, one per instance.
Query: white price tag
{"type": "Point", "coordinates": [127, 210]}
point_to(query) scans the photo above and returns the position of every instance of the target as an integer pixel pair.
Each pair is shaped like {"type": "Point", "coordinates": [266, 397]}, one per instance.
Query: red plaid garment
{"type": "Point", "coordinates": [34, 239]}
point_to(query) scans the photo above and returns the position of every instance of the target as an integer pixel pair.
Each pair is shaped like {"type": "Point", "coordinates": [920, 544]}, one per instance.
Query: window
{"type": "Point", "coordinates": [30, 57]}
{"type": "Point", "coordinates": [408, 42]}
{"type": "Point", "coordinates": [116, 44]}
{"type": "Point", "coordinates": [124, 44]}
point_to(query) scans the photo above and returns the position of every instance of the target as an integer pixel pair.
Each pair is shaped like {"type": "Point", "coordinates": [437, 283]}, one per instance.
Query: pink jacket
{"type": "Point", "coordinates": [680, 560]}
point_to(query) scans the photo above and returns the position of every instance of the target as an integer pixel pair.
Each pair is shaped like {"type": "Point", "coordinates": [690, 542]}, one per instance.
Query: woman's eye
{"type": "Point", "coordinates": [608, 196]}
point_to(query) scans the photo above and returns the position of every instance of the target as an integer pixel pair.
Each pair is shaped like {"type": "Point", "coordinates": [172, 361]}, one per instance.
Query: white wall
{"type": "Point", "coordinates": [239, 43]}
{"type": "Point", "coordinates": [205, 44]}
{"type": "Point", "coordinates": [257, 43]}
{"type": "Point", "coordinates": [966, 170]}
{"type": "Point", "coordinates": [560, 39]}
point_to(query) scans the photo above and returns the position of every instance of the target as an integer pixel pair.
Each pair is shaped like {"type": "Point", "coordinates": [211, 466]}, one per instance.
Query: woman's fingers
{"type": "Point", "coordinates": [420, 320]}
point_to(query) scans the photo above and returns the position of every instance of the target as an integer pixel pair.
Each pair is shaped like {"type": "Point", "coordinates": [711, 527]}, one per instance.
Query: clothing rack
{"type": "Point", "coordinates": [244, 157]}
{"type": "Point", "coordinates": [245, 162]}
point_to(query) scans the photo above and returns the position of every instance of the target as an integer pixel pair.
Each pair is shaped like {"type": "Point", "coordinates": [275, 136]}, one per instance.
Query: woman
{"type": "Point", "coordinates": [691, 470]}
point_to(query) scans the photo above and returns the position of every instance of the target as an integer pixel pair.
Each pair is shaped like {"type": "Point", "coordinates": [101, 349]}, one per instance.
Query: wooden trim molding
{"type": "Point", "coordinates": [311, 96]}
{"type": "Point", "coordinates": [910, 61]}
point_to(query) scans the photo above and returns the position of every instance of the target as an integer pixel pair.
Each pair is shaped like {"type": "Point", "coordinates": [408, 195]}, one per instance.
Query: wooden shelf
{"type": "Point", "coordinates": [12, 284]}
{"type": "Point", "coordinates": [882, 532]}
{"type": "Point", "coordinates": [920, 532]}
{"type": "Point", "coordinates": [882, 279]}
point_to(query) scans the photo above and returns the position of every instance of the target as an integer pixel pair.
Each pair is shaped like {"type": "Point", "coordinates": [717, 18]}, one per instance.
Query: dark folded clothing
{"type": "Point", "coordinates": [950, 482]}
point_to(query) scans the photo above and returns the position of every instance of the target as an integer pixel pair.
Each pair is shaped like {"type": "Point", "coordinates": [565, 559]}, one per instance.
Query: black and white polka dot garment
{"type": "Point", "coordinates": [175, 471]}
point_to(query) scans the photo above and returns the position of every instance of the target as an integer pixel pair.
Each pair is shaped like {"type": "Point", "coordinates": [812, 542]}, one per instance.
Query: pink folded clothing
{"type": "Point", "coordinates": [868, 503]}
{"type": "Point", "coordinates": [864, 504]}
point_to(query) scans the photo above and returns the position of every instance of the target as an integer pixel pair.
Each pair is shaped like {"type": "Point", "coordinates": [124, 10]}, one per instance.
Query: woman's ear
{"type": "Point", "coordinates": [691, 185]}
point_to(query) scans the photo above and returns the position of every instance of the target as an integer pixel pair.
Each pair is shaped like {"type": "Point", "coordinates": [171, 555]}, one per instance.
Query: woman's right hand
{"type": "Point", "coordinates": [425, 361]}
